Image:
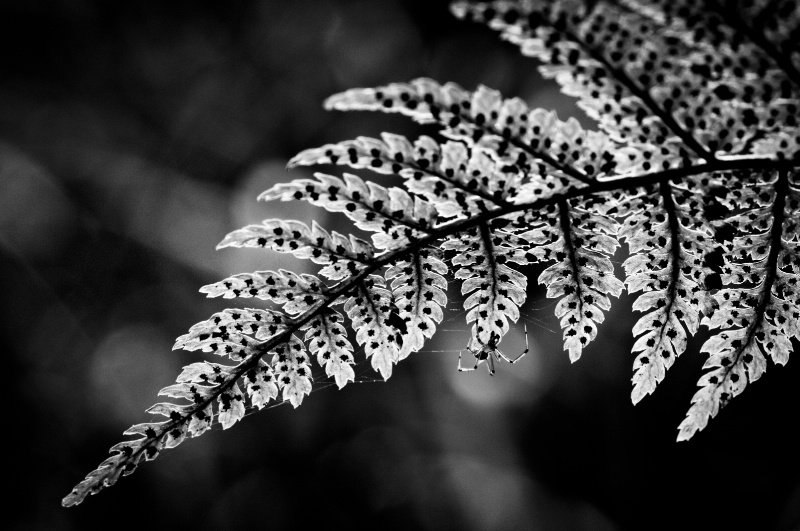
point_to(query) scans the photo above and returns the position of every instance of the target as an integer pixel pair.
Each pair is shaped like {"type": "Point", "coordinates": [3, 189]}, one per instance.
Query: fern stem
{"type": "Point", "coordinates": [488, 245]}
{"type": "Point", "coordinates": [460, 225]}
{"type": "Point", "coordinates": [566, 230]}
{"type": "Point", "coordinates": [419, 274]}
{"type": "Point", "coordinates": [675, 252]}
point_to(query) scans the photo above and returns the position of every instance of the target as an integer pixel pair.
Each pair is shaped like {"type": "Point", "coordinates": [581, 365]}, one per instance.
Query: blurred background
{"type": "Point", "coordinates": [135, 135]}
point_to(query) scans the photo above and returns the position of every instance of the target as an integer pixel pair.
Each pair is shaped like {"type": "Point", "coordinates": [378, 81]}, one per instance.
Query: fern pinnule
{"type": "Point", "coordinates": [377, 323]}
{"type": "Point", "coordinates": [756, 318]}
{"type": "Point", "coordinates": [233, 333]}
{"type": "Point", "coordinates": [443, 174]}
{"type": "Point", "coordinates": [667, 263]}
{"type": "Point", "coordinates": [341, 256]}
{"type": "Point", "coordinates": [295, 292]}
{"type": "Point", "coordinates": [391, 214]}
{"type": "Point", "coordinates": [494, 290]}
{"type": "Point", "coordinates": [327, 338]}
{"type": "Point", "coordinates": [580, 241]}
{"type": "Point", "coordinates": [420, 291]}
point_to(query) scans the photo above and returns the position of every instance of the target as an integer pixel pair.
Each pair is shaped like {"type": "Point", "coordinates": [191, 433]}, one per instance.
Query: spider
{"type": "Point", "coordinates": [489, 352]}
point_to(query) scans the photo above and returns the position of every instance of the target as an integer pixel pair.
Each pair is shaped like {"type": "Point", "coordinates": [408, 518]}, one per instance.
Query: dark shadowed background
{"type": "Point", "coordinates": [135, 135]}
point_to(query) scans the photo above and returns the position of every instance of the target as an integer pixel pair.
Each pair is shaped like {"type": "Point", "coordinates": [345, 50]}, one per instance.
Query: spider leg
{"type": "Point", "coordinates": [465, 369]}
{"type": "Point", "coordinates": [509, 360]}
{"type": "Point", "coordinates": [490, 364]}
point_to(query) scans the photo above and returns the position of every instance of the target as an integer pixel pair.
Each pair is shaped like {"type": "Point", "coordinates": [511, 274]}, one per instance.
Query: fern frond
{"type": "Point", "coordinates": [696, 166]}
{"type": "Point", "coordinates": [128, 454]}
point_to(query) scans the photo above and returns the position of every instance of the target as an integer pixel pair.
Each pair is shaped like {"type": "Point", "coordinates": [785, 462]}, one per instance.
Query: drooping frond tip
{"type": "Point", "coordinates": [695, 166]}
